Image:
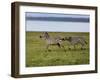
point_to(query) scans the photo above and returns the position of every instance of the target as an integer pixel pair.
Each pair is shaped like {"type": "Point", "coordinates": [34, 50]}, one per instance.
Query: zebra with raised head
{"type": "Point", "coordinates": [52, 41]}
{"type": "Point", "coordinates": [74, 40]}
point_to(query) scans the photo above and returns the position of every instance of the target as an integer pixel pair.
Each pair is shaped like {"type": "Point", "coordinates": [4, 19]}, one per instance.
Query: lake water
{"type": "Point", "coordinates": [57, 26]}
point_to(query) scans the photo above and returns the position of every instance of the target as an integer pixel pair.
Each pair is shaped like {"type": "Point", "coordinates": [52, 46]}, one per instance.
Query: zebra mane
{"type": "Point", "coordinates": [46, 34]}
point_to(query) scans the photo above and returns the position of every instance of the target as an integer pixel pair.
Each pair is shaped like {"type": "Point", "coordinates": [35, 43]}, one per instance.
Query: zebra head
{"type": "Point", "coordinates": [45, 35]}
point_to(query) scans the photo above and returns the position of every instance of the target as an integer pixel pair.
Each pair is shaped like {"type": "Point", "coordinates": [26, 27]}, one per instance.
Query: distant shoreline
{"type": "Point", "coordinates": [56, 32]}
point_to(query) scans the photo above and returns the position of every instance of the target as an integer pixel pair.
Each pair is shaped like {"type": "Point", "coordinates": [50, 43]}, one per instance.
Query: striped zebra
{"type": "Point", "coordinates": [52, 41]}
{"type": "Point", "coordinates": [74, 40]}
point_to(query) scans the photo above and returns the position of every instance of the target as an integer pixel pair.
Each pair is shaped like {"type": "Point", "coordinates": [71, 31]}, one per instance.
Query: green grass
{"type": "Point", "coordinates": [37, 55]}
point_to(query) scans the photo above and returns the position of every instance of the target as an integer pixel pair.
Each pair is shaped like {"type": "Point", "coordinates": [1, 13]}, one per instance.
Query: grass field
{"type": "Point", "coordinates": [36, 54]}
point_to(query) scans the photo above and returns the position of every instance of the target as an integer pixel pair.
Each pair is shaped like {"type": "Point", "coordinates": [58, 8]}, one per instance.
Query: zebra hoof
{"type": "Point", "coordinates": [69, 48]}
{"type": "Point", "coordinates": [49, 50]}
{"type": "Point", "coordinates": [65, 50]}
{"type": "Point", "coordinates": [82, 48]}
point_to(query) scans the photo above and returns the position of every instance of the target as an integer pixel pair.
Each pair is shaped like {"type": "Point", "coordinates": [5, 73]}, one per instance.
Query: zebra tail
{"type": "Point", "coordinates": [63, 39]}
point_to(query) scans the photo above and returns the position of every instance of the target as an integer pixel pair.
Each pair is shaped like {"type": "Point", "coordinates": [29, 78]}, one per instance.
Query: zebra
{"type": "Point", "coordinates": [52, 41]}
{"type": "Point", "coordinates": [74, 40]}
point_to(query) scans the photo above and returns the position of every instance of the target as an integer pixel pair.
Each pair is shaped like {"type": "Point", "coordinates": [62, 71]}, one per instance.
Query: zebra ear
{"type": "Point", "coordinates": [45, 32]}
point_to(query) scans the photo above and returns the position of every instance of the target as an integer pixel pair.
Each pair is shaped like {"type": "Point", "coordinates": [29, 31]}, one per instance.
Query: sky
{"type": "Point", "coordinates": [54, 22]}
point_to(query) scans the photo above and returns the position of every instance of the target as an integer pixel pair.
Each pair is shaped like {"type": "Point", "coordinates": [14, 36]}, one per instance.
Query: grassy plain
{"type": "Point", "coordinates": [37, 55]}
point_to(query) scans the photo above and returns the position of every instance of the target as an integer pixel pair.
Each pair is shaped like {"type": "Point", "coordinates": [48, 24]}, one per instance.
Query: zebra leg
{"type": "Point", "coordinates": [82, 48]}
{"type": "Point", "coordinates": [69, 47]}
{"type": "Point", "coordinates": [64, 48]}
{"type": "Point", "coordinates": [61, 46]}
{"type": "Point", "coordinates": [47, 48]}
{"type": "Point", "coordinates": [74, 47]}
{"type": "Point", "coordinates": [83, 43]}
